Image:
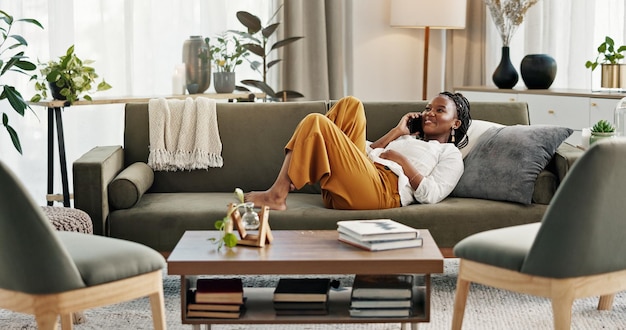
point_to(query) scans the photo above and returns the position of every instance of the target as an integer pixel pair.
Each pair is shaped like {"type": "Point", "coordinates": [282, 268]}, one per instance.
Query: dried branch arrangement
{"type": "Point", "coordinates": [508, 15]}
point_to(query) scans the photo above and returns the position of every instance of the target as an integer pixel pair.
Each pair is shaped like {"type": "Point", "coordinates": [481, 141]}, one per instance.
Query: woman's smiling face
{"type": "Point", "coordinates": [439, 118]}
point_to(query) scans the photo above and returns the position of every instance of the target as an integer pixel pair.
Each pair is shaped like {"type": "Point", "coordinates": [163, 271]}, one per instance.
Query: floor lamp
{"type": "Point", "coordinates": [428, 14]}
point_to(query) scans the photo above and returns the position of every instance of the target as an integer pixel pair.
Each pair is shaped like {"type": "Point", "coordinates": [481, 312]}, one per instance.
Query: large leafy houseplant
{"type": "Point", "coordinates": [609, 53]}
{"type": "Point", "coordinates": [69, 78]}
{"type": "Point", "coordinates": [12, 59]}
{"type": "Point", "coordinates": [258, 38]}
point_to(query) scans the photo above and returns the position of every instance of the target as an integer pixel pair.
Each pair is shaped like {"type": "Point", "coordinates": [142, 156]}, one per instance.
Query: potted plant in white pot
{"type": "Point", "coordinates": [601, 130]}
{"type": "Point", "coordinates": [12, 59]}
{"type": "Point", "coordinates": [69, 78]}
{"type": "Point", "coordinates": [609, 56]}
{"type": "Point", "coordinates": [226, 53]}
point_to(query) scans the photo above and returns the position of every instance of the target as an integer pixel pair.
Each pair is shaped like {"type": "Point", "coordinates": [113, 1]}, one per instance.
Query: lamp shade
{"type": "Point", "coordinates": [439, 14]}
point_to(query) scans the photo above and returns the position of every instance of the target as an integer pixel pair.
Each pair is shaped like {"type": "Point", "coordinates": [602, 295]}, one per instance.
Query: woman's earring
{"type": "Point", "coordinates": [452, 135]}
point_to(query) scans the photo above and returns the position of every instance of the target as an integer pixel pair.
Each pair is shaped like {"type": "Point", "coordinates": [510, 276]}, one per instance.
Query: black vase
{"type": "Point", "coordinates": [55, 91]}
{"type": "Point", "coordinates": [505, 75]}
{"type": "Point", "coordinates": [538, 71]}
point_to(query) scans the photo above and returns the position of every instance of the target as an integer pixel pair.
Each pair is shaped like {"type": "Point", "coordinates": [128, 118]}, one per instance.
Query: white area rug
{"type": "Point", "coordinates": [487, 308]}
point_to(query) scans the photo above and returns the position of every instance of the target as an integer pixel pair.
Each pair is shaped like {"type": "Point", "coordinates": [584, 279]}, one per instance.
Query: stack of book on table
{"type": "Point", "coordinates": [382, 296]}
{"type": "Point", "coordinates": [217, 298]}
{"type": "Point", "coordinates": [301, 296]}
{"type": "Point", "coordinates": [378, 235]}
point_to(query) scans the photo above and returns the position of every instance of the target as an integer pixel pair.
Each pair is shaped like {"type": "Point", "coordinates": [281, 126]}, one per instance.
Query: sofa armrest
{"type": "Point", "coordinates": [565, 157]}
{"type": "Point", "coordinates": [92, 174]}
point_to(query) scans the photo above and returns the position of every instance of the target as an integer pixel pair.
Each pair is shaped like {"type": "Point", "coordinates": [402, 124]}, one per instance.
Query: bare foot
{"type": "Point", "coordinates": [267, 198]}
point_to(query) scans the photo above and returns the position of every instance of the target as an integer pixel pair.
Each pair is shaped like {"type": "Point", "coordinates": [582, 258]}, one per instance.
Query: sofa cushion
{"type": "Point", "coordinates": [128, 186]}
{"type": "Point", "coordinates": [506, 161]}
{"type": "Point", "coordinates": [474, 132]}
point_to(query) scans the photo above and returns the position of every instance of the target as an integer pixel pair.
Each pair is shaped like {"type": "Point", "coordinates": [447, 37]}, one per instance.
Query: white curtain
{"type": "Point", "coordinates": [135, 44]}
{"type": "Point", "coordinates": [569, 31]}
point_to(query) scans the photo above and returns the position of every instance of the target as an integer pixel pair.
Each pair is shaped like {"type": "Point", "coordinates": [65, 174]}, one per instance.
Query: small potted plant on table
{"type": "Point", "coordinates": [69, 78]}
{"type": "Point", "coordinates": [601, 130]}
{"type": "Point", "coordinates": [226, 54]}
{"type": "Point", "coordinates": [609, 56]}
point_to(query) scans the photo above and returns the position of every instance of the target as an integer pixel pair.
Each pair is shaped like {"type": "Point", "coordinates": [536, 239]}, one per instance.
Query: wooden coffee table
{"type": "Point", "coordinates": [306, 252]}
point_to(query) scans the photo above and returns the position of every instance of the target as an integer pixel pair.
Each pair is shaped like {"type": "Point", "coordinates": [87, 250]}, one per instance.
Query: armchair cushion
{"type": "Point", "coordinates": [128, 186]}
{"type": "Point", "coordinates": [503, 247]}
{"type": "Point", "coordinates": [506, 161]}
{"type": "Point", "coordinates": [102, 259]}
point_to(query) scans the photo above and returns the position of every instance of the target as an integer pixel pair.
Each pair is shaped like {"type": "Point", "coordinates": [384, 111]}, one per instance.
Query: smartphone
{"type": "Point", "coordinates": [416, 125]}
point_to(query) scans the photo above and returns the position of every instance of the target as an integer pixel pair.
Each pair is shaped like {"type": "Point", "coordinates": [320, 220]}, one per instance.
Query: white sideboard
{"type": "Point", "coordinates": [576, 109]}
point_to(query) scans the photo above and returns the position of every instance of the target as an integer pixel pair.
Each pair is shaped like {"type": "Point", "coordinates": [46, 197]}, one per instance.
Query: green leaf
{"type": "Point", "coordinates": [230, 240]}
{"type": "Point", "coordinates": [25, 65]}
{"type": "Point", "coordinates": [285, 42]}
{"type": "Point", "coordinates": [250, 21]}
{"type": "Point", "coordinates": [12, 133]}
{"type": "Point", "coordinates": [15, 139]}
{"type": "Point", "coordinates": [268, 31]}
{"type": "Point", "coordinates": [31, 21]}
{"type": "Point", "coordinates": [7, 18]}
{"type": "Point", "coordinates": [219, 224]}
{"type": "Point", "coordinates": [15, 99]}
{"type": "Point", "coordinates": [289, 94]}
{"type": "Point", "coordinates": [19, 39]}
{"type": "Point", "coordinates": [265, 88]}
{"type": "Point", "coordinates": [274, 62]}
{"type": "Point", "coordinates": [255, 49]}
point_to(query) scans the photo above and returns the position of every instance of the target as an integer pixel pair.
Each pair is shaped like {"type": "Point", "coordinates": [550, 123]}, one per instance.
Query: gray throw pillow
{"type": "Point", "coordinates": [506, 161]}
{"type": "Point", "coordinates": [129, 185]}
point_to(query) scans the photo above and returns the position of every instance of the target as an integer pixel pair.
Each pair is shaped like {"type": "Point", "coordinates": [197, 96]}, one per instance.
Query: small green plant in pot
{"type": "Point", "coordinates": [609, 57]}
{"type": "Point", "coordinates": [226, 53]}
{"type": "Point", "coordinates": [12, 59]}
{"type": "Point", "coordinates": [609, 53]}
{"type": "Point", "coordinates": [602, 129]}
{"type": "Point", "coordinates": [69, 78]}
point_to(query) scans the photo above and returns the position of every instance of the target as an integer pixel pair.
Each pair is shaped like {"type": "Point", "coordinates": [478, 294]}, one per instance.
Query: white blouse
{"type": "Point", "coordinates": [441, 164]}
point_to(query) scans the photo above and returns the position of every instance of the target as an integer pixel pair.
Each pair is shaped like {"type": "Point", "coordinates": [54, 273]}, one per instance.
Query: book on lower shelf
{"type": "Point", "coordinates": [302, 290]}
{"type": "Point", "coordinates": [219, 291]}
{"type": "Point", "coordinates": [382, 295]}
{"type": "Point", "coordinates": [382, 312]}
{"type": "Point", "coordinates": [381, 303]}
{"type": "Point", "coordinates": [384, 286]}
{"type": "Point", "coordinates": [214, 307]}
{"type": "Point", "coordinates": [380, 245]}
{"type": "Point", "coordinates": [214, 314]}
{"type": "Point", "coordinates": [377, 230]}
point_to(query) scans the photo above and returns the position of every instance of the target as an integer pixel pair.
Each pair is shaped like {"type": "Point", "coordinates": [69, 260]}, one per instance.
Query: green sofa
{"type": "Point", "coordinates": [253, 136]}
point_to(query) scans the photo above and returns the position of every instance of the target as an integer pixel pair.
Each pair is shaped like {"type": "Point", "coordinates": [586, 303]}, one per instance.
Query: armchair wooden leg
{"type": "Point", "coordinates": [460, 299]}
{"type": "Point", "coordinates": [157, 304]}
{"type": "Point", "coordinates": [47, 321]}
{"type": "Point", "coordinates": [562, 310]}
{"type": "Point", "coordinates": [67, 321]}
{"type": "Point", "coordinates": [606, 302]}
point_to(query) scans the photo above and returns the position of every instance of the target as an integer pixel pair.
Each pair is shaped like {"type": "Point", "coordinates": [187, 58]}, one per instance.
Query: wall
{"type": "Point", "coordinates": [387, 62]}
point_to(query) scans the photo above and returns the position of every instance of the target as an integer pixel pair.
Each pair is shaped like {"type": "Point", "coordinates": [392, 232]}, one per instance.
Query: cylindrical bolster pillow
{"type": "Point", "coordinates": [128, 186]}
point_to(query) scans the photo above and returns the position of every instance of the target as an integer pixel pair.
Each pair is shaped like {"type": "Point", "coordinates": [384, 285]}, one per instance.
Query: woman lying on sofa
{"type": "Point", "coordinates": [398, 169]}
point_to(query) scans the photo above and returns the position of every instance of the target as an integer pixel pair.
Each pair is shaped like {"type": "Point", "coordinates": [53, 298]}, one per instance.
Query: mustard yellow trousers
{"type": "Point", "coordinates": [330, 149]}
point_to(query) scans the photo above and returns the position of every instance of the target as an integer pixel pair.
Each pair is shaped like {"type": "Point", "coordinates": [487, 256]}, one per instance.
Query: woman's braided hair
{"type": "Point", "coordinates": [463, 114]}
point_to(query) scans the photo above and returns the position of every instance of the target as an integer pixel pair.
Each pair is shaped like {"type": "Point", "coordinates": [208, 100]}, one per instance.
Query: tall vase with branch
{"type": "Point", "coordinates": [507, 15]}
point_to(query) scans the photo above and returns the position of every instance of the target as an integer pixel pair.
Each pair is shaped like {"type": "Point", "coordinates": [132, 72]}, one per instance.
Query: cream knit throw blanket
{"type": "Point", "coordinates": [184, 134]}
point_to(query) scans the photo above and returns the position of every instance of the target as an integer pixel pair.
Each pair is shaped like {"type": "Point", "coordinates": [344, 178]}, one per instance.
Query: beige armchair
{"type": "Point", "coordinates": [50, 274]}
{"type": "Point", "coordinates": [576, 251]}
